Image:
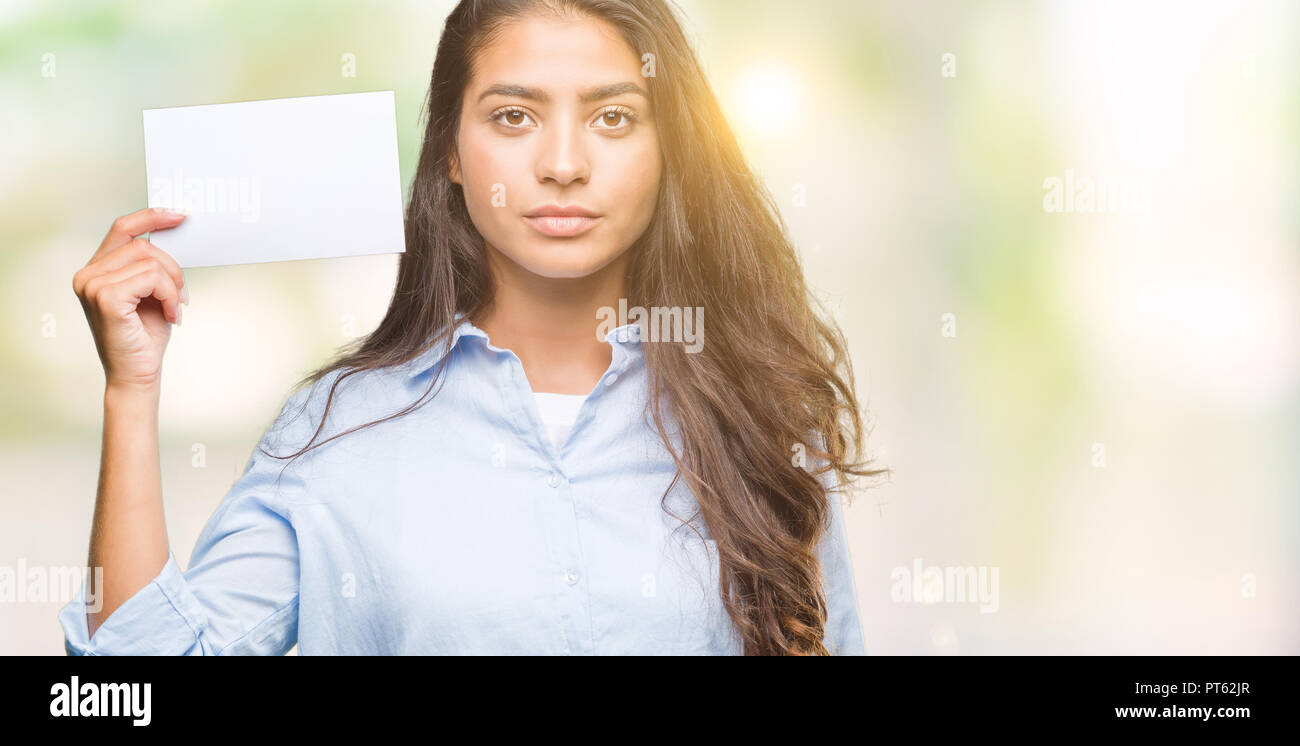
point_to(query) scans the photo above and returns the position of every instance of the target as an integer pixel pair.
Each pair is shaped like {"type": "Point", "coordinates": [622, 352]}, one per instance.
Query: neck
{"type": "Point", "coordinates": [550, 323]}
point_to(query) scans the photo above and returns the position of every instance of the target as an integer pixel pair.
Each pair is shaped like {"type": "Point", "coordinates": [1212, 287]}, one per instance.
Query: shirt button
{"type": "Point", "coordinates": [554, 480]}
{"type": "Point", "coordinates": [571, 577]}
{"type": "Point", "coordinates": [610, 379]}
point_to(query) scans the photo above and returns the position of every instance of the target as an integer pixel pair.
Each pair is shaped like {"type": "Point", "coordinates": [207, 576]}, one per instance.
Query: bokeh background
{"type": "Point", "coordinates": [1102, 406]}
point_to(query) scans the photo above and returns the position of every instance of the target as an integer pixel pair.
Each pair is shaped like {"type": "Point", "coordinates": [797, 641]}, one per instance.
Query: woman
{"type": "Point", "coordinates": [482, 473]}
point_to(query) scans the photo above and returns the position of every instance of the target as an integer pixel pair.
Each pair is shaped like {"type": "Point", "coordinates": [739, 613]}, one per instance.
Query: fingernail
{"type": "Point", "coordinates": [175, 210]}
{"type": "Point", "coordinates": [185, 295]}
{"type": "Point", "coordinates": [180, 314]}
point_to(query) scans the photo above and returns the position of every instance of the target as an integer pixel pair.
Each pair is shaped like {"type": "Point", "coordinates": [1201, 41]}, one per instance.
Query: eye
{"type": "Point", "coordinates": [616, 117]}
{"type": "Point", "coordinates": [512, 117]}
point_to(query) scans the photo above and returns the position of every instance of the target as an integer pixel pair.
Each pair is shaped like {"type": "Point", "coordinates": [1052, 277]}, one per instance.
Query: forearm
{"type": "Point", "coordinates": [129, 535]}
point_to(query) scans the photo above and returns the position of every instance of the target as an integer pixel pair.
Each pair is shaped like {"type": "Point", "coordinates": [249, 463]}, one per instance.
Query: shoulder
{"type": "Point", "coordinates": [341, 398]}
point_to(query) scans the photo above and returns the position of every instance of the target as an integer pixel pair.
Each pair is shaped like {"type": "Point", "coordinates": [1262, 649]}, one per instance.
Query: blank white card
{"type": "Point", "coordinates": [280, 179]}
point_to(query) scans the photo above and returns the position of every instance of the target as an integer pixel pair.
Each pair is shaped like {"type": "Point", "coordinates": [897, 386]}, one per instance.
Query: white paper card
{"type": "Point", "coordinates": [280, 179]}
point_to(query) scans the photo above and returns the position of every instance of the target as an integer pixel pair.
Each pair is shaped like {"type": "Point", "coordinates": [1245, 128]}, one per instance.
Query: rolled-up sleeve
{"type": "Point", "coordinates": [240, 593]}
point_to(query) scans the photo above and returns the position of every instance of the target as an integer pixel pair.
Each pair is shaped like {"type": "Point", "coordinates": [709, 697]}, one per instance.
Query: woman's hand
{"type": "Point", "coordinates": [131, 291]}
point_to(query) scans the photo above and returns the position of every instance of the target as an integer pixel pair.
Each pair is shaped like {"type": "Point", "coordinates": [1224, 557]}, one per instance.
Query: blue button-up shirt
{"type": "Point", "coordinates": [459, 528]}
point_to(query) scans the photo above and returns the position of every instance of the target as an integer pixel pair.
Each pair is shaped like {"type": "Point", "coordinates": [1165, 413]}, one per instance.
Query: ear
{"type": "Point", "coordinates": [453, 169]}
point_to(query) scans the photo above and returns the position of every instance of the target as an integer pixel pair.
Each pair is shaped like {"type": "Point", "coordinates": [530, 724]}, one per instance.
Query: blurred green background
{"type": "Point", "coordinates": [1101, 406]}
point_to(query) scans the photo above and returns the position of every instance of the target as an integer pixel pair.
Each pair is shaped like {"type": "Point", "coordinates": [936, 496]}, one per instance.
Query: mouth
{"type": "Point", "coordinates": [561, 227]}
{"type": "Point", "coordinates": [562, 222]}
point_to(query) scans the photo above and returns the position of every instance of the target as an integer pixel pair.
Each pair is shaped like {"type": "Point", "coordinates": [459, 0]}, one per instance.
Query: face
{"type": "Point", "coordinates": [558, 154]}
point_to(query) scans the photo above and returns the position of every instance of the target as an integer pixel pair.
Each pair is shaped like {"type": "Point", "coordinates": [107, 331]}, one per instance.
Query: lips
{"type": "Point", "coordinates": [562, 221]}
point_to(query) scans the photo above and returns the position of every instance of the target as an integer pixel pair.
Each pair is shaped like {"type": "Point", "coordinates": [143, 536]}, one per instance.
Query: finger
{"type": "Point", "coordinates": [134, 251]}
{"type": "Point", "coordinates": [120, 291]}
{"type": "Point", "coordinates": [134, 224]}
{"type": "Point", "coordinates": [157, 283]}
{"type": "Point", "coordinates": [97, 282]}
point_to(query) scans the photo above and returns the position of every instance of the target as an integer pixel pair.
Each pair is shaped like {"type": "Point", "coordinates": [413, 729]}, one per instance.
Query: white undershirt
{"type": "Point", "coordinates": [559, 411]}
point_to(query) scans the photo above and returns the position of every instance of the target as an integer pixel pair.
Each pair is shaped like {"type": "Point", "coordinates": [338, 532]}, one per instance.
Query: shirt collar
{"type": "Point", "coordinates": [626, 337]}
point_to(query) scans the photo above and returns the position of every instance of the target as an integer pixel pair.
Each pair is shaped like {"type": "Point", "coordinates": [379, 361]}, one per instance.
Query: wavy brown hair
{"type": "Point", "coordinates": [774, 375]}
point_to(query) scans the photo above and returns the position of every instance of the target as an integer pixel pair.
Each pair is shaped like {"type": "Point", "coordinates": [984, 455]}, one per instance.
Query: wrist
{"type": "Point", "coordinates": [117, 394]}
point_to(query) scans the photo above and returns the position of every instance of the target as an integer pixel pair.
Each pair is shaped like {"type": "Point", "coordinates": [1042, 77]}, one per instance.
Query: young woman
{"type": "Point", "coordinates": [483, 473]}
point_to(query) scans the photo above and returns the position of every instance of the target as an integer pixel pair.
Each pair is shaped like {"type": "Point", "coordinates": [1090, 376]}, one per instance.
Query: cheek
{"type": "Point", "coordinates": [486, 180]}
{"type": "Point", "coordinates": [638, 182]}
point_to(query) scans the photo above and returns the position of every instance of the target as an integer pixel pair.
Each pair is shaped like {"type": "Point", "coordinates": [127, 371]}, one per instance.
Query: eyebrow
{"type": "Point", "coordinates": [587, 96]}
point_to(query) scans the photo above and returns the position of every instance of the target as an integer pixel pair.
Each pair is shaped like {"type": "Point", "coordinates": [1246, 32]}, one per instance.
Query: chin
{"type": "Point", "coordinates": [555, 271]}
{"type": "Point", "coordinates": [561, 260]}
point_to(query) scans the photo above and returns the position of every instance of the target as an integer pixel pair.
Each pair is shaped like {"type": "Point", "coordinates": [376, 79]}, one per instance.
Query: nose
{"type": "Point", "coordinates": [563, 157]}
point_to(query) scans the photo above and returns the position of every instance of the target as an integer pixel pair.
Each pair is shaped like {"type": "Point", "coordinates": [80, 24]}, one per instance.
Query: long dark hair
{"type": "Point", "coordinates": [772, 384]}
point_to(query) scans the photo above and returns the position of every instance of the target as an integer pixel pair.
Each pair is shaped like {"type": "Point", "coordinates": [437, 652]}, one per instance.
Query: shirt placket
{"type": "Point", "coordinates": [565, 514]}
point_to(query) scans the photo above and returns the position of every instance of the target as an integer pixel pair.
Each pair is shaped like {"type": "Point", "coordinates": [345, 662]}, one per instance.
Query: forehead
{"type": "Point", "coordinates": [555, 54]}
